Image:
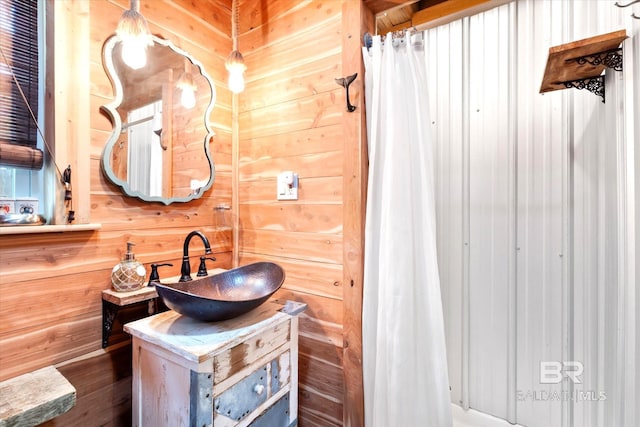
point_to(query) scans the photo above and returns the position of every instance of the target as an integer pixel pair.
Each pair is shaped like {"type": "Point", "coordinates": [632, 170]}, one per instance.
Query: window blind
{"type": "Point", "coordinates": [19, 44]}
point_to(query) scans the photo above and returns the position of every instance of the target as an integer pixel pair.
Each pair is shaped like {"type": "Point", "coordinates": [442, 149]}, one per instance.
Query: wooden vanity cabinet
{"type": "Point", "coordinates": [239, 372]}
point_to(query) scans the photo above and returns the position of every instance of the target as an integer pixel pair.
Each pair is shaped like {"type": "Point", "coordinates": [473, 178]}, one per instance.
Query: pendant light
{"type": "Point", "coordinates": [187, 86]}
{"type": "Point", "coordinates": [135, 36]}
{"type": "Point", "coordinates": [235, 62]}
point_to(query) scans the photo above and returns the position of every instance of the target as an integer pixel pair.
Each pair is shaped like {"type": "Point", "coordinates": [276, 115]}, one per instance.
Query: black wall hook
{"type": "Point", "coordinates": [633, 15]}
{"type": "Point", "coordinates": [345, 82]}
{"type": "Point", "coordinates": [626, 5]}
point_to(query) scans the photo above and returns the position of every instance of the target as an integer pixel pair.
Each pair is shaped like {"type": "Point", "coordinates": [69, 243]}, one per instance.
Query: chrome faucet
{"type": "Point", "coordinates": [185, 271]}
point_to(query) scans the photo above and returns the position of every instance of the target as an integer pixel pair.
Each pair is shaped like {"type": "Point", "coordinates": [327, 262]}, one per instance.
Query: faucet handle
{"type": "Point", "coordinates": [153, 276]}
{"type": "Point", "coordinates": [202, 269]}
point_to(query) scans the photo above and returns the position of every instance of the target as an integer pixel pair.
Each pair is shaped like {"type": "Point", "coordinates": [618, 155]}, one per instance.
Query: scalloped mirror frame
{"type": "Point", "coordinates": [111, 110]}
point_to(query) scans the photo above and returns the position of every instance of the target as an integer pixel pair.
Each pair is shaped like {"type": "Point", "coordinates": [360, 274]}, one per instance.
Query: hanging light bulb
{"type": "Point", "coordinates": [188, 88]}
{"type": "Point", "coordinates": [188, 97]}
{"type": "Point", "coordinates": [134, 54]}
{"type": "Point", "coordinates": [235, 65]}
{"type": "Point", "coordinates": [235, 62]}
{"type": "Point", "coordinates": [135, 36]}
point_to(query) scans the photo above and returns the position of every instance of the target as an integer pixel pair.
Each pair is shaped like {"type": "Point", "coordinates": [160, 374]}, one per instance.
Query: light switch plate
{"type": "Point", "coordinates": [287, 183]}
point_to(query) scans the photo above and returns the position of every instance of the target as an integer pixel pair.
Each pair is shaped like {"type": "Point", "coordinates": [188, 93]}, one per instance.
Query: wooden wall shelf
{"type": "Point", "coordinates": [113, 301]}
{"type": "Point", "coordinates": [580, 63]}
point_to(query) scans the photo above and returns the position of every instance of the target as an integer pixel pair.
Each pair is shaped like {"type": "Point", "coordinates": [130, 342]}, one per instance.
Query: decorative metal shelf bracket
{"type": "Point", "coordinates": [609, 58]}
{"type": "Point", "coordinates": [594, 85]}
{"type": "Point", "coordinates": [110, 312]}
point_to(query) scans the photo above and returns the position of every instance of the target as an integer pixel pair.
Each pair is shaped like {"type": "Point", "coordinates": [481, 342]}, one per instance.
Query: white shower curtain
{"type": "Point", "coordinates": [404, 356]}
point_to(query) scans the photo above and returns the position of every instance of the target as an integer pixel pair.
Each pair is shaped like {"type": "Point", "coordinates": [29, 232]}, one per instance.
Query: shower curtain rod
{"type": "Point", "coordinates": [440, 18]}
{"type": "Point", "coordinates": [126, 126]}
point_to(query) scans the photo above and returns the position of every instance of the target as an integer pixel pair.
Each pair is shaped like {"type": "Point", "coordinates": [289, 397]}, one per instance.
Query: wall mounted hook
{"type": "Point", "coordinates": [345, 82]}
{"type": "Point", "coordinates": [626, 5]}
{"type": "Point", "coordinates": [159, 133]}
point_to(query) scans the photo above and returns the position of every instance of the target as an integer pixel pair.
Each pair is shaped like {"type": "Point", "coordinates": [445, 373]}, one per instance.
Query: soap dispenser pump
{"type": "Point", "coordinates": [129, 274]}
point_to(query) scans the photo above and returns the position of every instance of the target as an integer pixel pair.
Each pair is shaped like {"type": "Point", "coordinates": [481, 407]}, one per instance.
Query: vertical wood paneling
{"type": "Point", "coordinates": [71, 71]}
{"type": "Point", "coordinates": [544, 213]}
{"type": "Point", "coordinates": [356, 20]}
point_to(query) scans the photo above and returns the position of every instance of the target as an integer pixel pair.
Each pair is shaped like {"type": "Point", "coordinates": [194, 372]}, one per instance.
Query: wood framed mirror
{"type": "Point", "coordinates": [158, 150]}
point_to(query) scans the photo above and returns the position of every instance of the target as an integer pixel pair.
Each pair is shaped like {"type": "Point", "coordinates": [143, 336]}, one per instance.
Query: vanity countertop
{"type": "Point", "coordinates": [198, 341]}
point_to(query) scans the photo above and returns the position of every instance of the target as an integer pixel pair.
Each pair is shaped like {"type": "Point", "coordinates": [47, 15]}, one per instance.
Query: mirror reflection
{"type": "Point", "coordinates": [159, 148]}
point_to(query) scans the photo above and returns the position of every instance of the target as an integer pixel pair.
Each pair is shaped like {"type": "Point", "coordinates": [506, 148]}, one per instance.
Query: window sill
{"type": "Point", "coordinates": [35, 229]}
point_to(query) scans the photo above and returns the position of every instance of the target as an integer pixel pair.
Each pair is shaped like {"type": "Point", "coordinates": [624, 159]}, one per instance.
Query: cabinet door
{"type": "Point", "coordinates": [257, 391]}
{"type": "Point", "coordinates": [244, 397]}
{"type": "Point", "coordinates": [277, 415]}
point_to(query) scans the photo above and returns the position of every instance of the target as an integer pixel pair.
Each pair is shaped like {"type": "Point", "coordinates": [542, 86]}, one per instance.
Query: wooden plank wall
{"type": "Point", "coordinates": [291, 118]}
{"type": "Point", "coordinates": [50, 284]}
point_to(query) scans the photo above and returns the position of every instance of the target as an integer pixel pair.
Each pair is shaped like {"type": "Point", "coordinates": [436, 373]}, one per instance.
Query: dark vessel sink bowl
{"type": "Point", "coordinates": [223, 296]}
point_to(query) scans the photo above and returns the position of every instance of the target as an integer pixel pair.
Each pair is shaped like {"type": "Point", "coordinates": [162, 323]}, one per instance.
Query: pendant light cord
{"type": "Point", "coordinates": [26, 102]}
{"type": "Point", "coordinates": [234, 24]}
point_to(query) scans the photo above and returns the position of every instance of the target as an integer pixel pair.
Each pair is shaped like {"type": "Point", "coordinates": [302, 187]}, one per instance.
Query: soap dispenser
{"type": "Point", "coordinates": [129, 274]}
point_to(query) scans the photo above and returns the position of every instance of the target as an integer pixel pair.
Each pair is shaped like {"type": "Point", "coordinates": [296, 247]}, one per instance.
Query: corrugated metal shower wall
{"type": "Point", "coordinates": [528, 207]}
